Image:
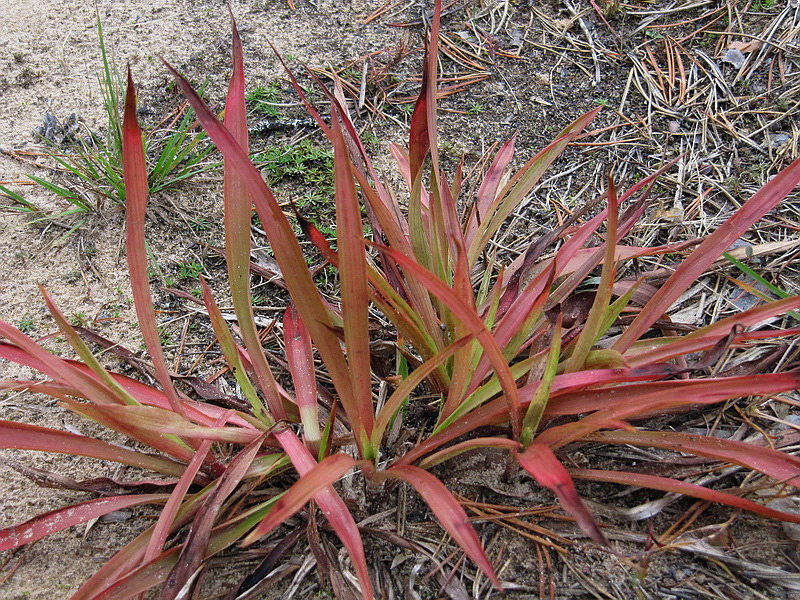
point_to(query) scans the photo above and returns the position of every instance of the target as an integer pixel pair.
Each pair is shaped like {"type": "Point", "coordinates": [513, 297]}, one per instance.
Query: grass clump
{"type": "Point", "coordinates": [304, 161]}
{"type": "Point", "coordinates": [264, 100]}
{"type": "Point", "coordinates": [511, 367]}
{"type": "Point", "coordinates": [90, 164]}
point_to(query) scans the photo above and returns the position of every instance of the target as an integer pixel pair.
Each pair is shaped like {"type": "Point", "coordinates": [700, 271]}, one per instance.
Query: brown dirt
{"type": "Point", "coordinates": [50, 60]}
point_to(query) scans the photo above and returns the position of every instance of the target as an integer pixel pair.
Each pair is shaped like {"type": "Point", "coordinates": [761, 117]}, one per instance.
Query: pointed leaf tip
{"type": "Point", "coordinates": [449, 513]}
{"type": "Point", "coordinates": [542, 464]}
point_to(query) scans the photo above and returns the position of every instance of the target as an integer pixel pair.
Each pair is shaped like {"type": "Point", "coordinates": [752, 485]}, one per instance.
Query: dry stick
{"type": "Point", "coordinates": [701, 29]}
{"type": "Point", "coordinates": [494, 28]}
{"type": "Point", "coordinates": [179, 351]}
{"type": "Point", "coordinates": [562, 53]}
{"type": "Point", "coordinates": [589, 39]}
{"type": "Point", "coordinates": [682, 88]}
{"type": "Point", "coordinates": [384, 8]}
{"type": "Point", "coordinates": [458, 55]}
{"type": "Point", "coordinates": [768, 42]}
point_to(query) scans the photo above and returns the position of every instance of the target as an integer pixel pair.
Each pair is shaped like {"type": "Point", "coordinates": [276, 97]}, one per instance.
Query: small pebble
{"type": "Point", "coordinates": [776, 140]}
{"type": "Point", "coordinates": [734, 57]}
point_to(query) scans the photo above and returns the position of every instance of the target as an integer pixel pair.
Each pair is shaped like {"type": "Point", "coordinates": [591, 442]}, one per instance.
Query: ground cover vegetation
{"type": "Point", "coordinates": [85, 167]}
{"type": "Point", "coordinates": [551, 352]}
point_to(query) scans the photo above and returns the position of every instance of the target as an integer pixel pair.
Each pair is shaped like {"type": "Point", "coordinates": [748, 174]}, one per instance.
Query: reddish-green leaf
{"type": "Point", "coordinates": [200, 412]}
{"type": "Point", "coordinates": [666, 348]}
{"type": "Point", "coordinates": [32, 437]}
{"type": "Point", "coordinates": [355, 297]}
{"type": "Point", "coordinates": [121, 577]}
{"type": "Point", "coordinates": [699, 392]}
{"type": "Point", "coordinates": [516, 316]}
{"type": "Point", "coordinates": [136, 191]}
{"type": "Point", "coordinates": [284, 244]}
{"type": "Point", "coordinates": [538, 460]}
{"type": "Point", "coordinates": [167, 422]}
{"type": "Point", "coordinates": [538, 403]}
{"type": "Point", "coordinates": [144, 394]}
{"type": "Point", "coordinates": [322, 475]}
{"type": "Point", "coordinates": [83, 351]}
{"type": "Point", "coordinates": [117, 421]}
{"type": "Point", "coordinates": [332, 507]}
{"type": "Point", "coordinates": [196, 546]}
{"type": "Point", "coordinates": [476, 326]}
{"type": "Point", "coordinates": [473, 444]}
{"type": "Point", "coordinates": [463, 363]}
{"type": "Point", "coordinates": [683, 487]}
{"type": "Point", "coordinates": [496, 411]}
{"type": "Point", "coordinates": [780, 465]}
{"type": "Point", "coordinates": [28, 352]}
{"type": "Point", "coordinates": [448, 512]}
{"type": "Point", "coordinates": [300, 356]}
{"type": "Point", "coordinates": [712, 248]}
{"type": "Point", "coordinates": [56, 520]}
{"type": "Point", "coordinates": [237, 236]}
{"type": "Point", "coordinates": [592, 327]}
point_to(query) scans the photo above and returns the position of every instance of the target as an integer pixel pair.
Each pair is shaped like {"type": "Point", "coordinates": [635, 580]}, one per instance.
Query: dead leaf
{"type": "Point", "coordinates": [745, 46]}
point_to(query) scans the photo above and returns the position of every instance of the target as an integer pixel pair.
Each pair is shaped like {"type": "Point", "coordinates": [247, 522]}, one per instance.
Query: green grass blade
{"type": "Point", "coordinates": [771, 287]}
{"type": "Point", "coordinates": [27, 206]}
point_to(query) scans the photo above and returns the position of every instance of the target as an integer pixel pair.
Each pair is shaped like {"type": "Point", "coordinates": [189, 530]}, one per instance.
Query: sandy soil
{"type": "Point", "coordinates": [50, 61]}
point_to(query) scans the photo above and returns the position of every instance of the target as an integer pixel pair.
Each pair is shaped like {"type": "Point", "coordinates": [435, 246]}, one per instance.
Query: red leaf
{"type": "Point", "coordinates": [682, 487]}
{"type": "Point", "coordinates": [487, 192]}
{"type": "Point", "coordinates": [422, 136]}
{"type": "Point", "coordinates": [28, 352]}
{"type": "Point", "coordinates": [448, 511]}
{"type": "Point", "coordinates": [332, 507]}
{"type": "Point", "coordinates": [56, 520]}
{"type": "Point", "coordinates": [300, 356]}
{"type": "Point", "coordinates": [136, 191]}
{"type": "Point", "coordinates": [196, 545]}
{"type": "Point", "coordinates": [31, 437]}
{"type": "Point", "coordinates": [707, 391]}
{"type": "Point", "coordinates": [285, 246]}
{"type": "Point", "coordinates": [167, 516]}
{"type": "Point", "coordinates": [354, 293]}
{"type": "Point", "coordinates": [779, 465]}
{"type": "Point", "coordinates": [321, 476]}
{"type": "Point", "coordinates": [763, 201]}
{"type": "Point", "coordinates": [237, 232]}
{"type": "Point", "coordinates": [705, 338]}
{"type": "Point", "coordinates": [418, 138]}
{"type": "Point", "coordinates": [470, 319]}
{"type": "Point", "coordinates": [496, 411]}
{"type": "Point", "coordinates": [539, 461]}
